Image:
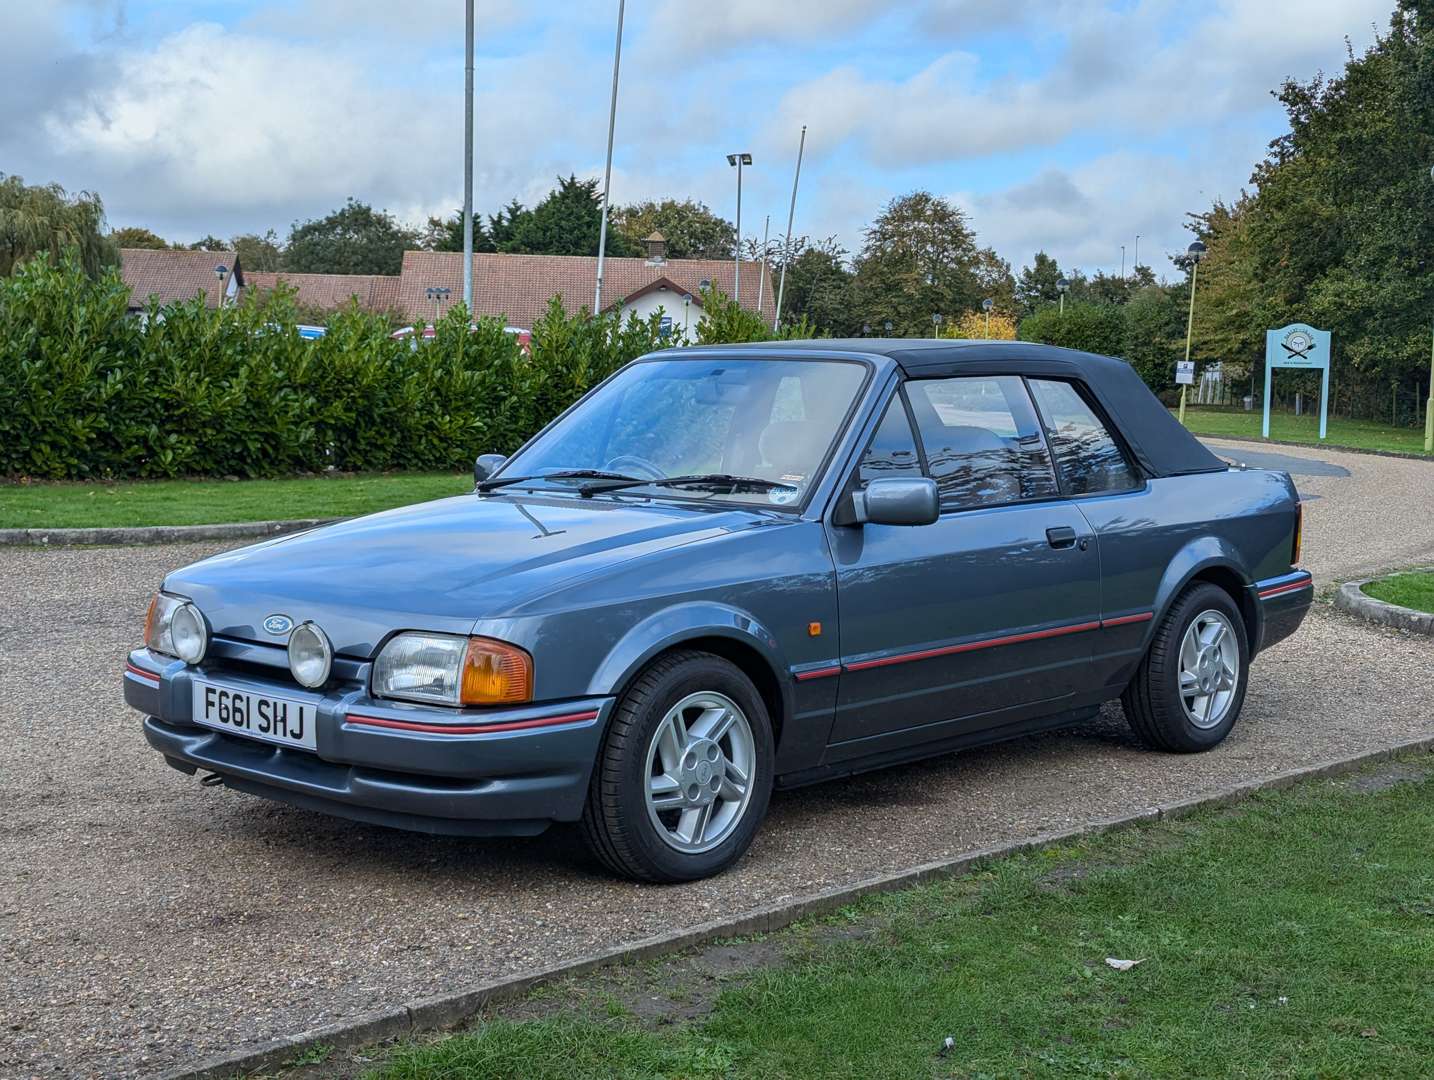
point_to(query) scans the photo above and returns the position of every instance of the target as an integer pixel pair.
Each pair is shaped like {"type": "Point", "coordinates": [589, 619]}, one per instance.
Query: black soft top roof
{"type": "Point", "coordinates": [1161, 444]}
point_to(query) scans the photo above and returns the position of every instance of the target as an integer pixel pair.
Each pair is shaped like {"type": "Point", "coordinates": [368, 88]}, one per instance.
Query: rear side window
{"type": "Point", "coordinates": [892, 451]}
{"type": "Point", "coordinates": [1088, 457]}
{"type": "Point", "coordinates": [982, 440]}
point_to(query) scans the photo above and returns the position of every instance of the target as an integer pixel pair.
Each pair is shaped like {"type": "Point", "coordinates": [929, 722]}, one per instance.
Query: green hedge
{"type": "Point", "coordinates": [87, 390]}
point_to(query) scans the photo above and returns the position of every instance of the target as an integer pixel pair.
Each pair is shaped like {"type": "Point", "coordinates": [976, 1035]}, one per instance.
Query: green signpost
{"type": "Point", "coordinates": [1298, 346]}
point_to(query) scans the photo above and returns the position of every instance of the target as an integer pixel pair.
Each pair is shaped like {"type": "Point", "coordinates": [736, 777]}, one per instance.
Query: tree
{"type": "Point", "coordinates": [919, 258]}
{"type": "Point", "coordinates": [1097, 328]}
{"type": "Point", "coordinates": [691, 230]}
{"type": "Point", "coordinates": [259, 252]}
{"type": "Point", "coordinates": [1037, 284]}
{"type": "Point", "coordinates": [209, 243]}
{"type": "Point", "coordinates": [503, 226]}
{"type": "Point", "coordinates": [566, 222]}
{"type": "Point", "coordinates": [354, 239]}
{"type": "Point", "coordinates": [446, 234]}
{"type": "Point", "coordinates": [1340, 226]}
{"type": "Point", "coordinates": [819, 286]}
{"type": "Point", "coordinates": [974, 325]}
{"type": "Point", "coordinates": [45, 219]}
{"type": "Point", "coordinates": [137, 236]}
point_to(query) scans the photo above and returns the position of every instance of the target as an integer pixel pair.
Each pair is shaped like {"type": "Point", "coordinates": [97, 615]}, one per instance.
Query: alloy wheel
{"type": "Point", "coordinates": [700, 766]}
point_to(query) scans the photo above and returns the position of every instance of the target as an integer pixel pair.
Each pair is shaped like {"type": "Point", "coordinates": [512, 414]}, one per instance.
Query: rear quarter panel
{"type": "Point", "coordinates": [1152, 542]}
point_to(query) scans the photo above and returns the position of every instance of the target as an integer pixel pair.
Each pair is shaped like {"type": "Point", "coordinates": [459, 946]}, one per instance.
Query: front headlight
{"type": "Point", "coordinates": [444, 669]}
{"type": "Point", "coordinates": [157, 635]}
{"type": "Point", "coordinates": [175, 627]}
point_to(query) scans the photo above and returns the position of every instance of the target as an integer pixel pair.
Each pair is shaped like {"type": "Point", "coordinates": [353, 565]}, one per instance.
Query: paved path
{"type": "Point", "coordinates": [146, 921]}
{"type": "Point", "coordinates": [1364, 513]}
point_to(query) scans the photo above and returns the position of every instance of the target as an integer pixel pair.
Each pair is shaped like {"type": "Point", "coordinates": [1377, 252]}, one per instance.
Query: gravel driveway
{"type": "Point", "coordinates": [146, 921]}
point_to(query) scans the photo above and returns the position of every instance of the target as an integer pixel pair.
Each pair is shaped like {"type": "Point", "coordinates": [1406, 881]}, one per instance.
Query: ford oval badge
{"type": "Point", "coordinates": [278, 625]}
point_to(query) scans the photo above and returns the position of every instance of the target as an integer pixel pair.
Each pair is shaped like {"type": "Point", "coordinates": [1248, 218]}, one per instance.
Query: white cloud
{"type": "Point", "coordinates": [1121, 73]}
{"type": "Point", "coordinates": [214, 130]}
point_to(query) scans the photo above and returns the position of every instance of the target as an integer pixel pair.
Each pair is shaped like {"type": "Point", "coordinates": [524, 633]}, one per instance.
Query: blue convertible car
{"type": "Point", "coordinates": [732, 568]}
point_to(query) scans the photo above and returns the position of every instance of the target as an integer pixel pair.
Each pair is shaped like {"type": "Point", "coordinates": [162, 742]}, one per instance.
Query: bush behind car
{"type": "Point", "coordinates": [88, 391]}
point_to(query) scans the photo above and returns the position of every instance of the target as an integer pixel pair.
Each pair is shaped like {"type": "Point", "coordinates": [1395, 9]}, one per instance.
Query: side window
{"type": "Point", "coordinates": [983, 441]}
{"type": "Point", "coordinates": [1089, 458]}
{"type": "Point", "coordinates": [892, 451]}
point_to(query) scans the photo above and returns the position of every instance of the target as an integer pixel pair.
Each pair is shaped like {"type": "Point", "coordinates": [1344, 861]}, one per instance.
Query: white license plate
{"type": "Point", "coordinates": [259, 716]}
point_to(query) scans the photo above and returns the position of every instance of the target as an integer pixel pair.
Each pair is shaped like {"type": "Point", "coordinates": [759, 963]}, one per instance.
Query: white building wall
{"type": "Point", "coordinates": [671, 304]}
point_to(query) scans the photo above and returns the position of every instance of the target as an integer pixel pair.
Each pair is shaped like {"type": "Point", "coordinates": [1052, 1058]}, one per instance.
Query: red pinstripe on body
{"type": "Point", "coordinates": [972, 646]}
{"type": "Point", "coordinates": [148, 676]}
{"type": "Point", "coordinates": [1123, 620]}
{"type": "Point", "coordinates": [1290, 586]}
{"type": "Point", "coordinates": [469, 729]}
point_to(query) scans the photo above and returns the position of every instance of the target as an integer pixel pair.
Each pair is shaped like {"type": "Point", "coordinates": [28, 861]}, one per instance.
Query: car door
{"type": "Point", "coordinates": [984, 616]}
{"type": "Point", "coordinates": [1139, 525]}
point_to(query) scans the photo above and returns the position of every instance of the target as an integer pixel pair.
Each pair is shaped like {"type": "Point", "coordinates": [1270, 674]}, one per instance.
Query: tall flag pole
{"type": "Point", "coordinates": [791, 214]}
{"type": "Point", "coordinates": [607, 174]}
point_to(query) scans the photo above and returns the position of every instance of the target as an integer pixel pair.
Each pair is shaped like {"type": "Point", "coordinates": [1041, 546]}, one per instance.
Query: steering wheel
{"type": "Point", "coordinates": [627, 463]}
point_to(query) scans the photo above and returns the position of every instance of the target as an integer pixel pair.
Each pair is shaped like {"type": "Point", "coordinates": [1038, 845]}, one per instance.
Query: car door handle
{"type": "Point", "coordinates": [1061, 537]}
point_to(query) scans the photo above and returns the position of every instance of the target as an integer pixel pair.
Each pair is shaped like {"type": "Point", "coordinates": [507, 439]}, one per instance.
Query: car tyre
{"type": "Point", "coordinates": [1181, 699]}
{"type": "Point", "coordinates": [625, 823]}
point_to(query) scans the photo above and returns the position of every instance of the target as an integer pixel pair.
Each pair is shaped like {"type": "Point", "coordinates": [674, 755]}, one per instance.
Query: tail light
{"type": "Point", "coordinates": [1299, 533]}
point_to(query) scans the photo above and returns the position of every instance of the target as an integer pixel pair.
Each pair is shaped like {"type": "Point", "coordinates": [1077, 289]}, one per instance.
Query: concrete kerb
{"type": "Point", "coordinates": [1352, 598]}
{"type": "Point", "coordinates": [447, 1011]}
{"type": "Point", "coordinates": [157, 534]}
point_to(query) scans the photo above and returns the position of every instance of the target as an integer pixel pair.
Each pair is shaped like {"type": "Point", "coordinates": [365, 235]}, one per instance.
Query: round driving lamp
{"type": "Point", "coordinates": [310, 655]}
{"type": "Point", "coordinates": [190, 633]}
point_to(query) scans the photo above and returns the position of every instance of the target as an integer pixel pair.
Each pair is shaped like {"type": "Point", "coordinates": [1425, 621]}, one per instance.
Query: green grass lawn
{"type": "Point", "coordinates": [201, 502]}
{"type": "Point", "coordinates": [1286, 427]}
{"type": "Point", "coordinates": [1407, 590]}
{"type": "Point", "coordinates": [1292, 935]}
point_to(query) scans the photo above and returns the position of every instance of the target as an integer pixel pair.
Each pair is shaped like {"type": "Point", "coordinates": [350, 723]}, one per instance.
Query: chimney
{"type": "Point", "coordinates": [656, 246]}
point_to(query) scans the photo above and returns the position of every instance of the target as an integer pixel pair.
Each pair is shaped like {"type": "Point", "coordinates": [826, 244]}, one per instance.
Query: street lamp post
{"type": "Point", "coordinates": [468, 160]}
{"type": "Point", "coordinates": [1429, 404]}
{"type": "Point", "coordinates": [219, 272]}
{"type": "Point", "coordinates": [986, 306]}
{"type": "Point", "coordinates": [738, 160]}
{"type": "Point", "coordinates": [1137, 252]}
{"type": "Point", "coordinates": [1195, 252]}
{"type": "Point", "coordinates": [1062, 285]}
{"type": "Point", "coordinates": [686, 312]}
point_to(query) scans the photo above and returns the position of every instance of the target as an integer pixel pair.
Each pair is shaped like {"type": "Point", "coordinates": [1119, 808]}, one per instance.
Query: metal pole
{"type": "Point", "coordinates": [988, 323]}
{"type": "Point", "coordinates": [1137, 251]}
{"type": "Point", "coordinates": [607, 174]}
{"type": "Point", "coordinates": [1189, 328]}
{"type": "Point", "coordinates": [1122, 262]}
{"type": "Point", "coordinates": [762, 270]}
{"type": "Point", "coordinates": [1429, 406]}
{"type": "Point", "coordinates": [737, 271]}
{"type": "Point", "coordinates": [791, 213]}
{"type": "Point", "coordinates": [468, 163]}
{"type": "Point", "coordinates": [1063, 303]}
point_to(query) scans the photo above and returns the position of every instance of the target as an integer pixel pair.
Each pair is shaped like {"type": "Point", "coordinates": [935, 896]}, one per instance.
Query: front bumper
{"type": "Point", "coordinates": [1283, 603]}
{"type": "Point", "coordinates": [473, 772]}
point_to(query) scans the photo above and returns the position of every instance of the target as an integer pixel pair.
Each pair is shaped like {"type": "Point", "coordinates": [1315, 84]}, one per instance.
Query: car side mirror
{"type": "Point", "coordinates": [893, 500]}
{"type": "Point", "coordinates": [486, 466]}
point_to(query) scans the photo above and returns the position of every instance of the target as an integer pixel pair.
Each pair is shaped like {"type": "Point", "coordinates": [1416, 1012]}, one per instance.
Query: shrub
{"type": "Point", "coordinates": [88, 391]}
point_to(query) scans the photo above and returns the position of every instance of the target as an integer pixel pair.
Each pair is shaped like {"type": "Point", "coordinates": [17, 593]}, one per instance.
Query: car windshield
{"type": "Point", "coordinates": [742, 431]}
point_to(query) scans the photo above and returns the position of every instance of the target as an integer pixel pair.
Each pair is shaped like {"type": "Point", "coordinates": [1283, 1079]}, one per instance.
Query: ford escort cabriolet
{"type": "Point", "coordinates": [728, 569]}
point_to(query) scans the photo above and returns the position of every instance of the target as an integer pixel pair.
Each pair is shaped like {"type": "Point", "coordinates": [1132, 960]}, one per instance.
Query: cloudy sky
{"type": "Point", "coordinates": [1068, 125]}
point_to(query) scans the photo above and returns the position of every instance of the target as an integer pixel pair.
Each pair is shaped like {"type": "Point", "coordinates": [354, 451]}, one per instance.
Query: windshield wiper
{"type": "Point", "coordinates": [715, 481]}
{"type": "Point", "coordinates": [564, 474]}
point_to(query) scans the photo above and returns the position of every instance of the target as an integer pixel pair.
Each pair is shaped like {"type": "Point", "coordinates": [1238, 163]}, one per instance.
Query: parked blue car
{"type": "Point", "coordinates": [728, 569]}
